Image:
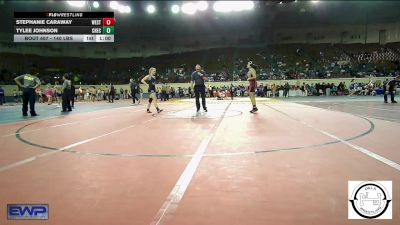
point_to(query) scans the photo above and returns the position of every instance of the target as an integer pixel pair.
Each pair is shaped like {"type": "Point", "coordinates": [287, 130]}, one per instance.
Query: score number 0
{"type": "Point", "coordinates": [108, 21]}
{"type": "Point", "coordinates": [108, 25]}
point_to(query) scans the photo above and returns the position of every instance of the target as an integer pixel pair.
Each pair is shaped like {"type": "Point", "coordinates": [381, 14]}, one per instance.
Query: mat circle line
{"type": "Point", "coordinates": [20, 138]}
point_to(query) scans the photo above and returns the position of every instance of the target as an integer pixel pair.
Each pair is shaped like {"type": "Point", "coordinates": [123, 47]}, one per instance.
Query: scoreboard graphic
{"type": "Point", "coordinates": [64, 26]}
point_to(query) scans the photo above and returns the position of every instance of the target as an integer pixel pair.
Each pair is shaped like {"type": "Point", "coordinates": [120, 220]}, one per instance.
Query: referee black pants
{"type": "Point", "coordinates": [28, 96]}
{"type": "Point", "coordinates": [111, 97]}
{"type": "Point", "coordinates": [66, 100]}
{"type": "Point", "coordinates": [391, 96]}
{"type": "Point", "coordinates": [164, 96]}
{"type": "Point", "coordinates": [72, 99]}
{"type": "Point", "coordinates": [200, 90]}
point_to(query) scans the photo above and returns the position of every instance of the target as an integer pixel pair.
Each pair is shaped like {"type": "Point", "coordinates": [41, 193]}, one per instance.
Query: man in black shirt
{"type": "Point", "coordinates": [111, 94]}
{"type": "Point", "coordinates": [134, 90]}
{"type": "Point", "coordinates": [66, 95]}
{"type": "Point", "coordinates": [231, 91]}
{"type": "Point", "coordinates": [73, 95]}
{"type": "Point", "coordinates": [286, 89]}
{"type": "Point", "coordinates": [198, 78]}
{"type": "Point", "coordinates": [2, 96]}
{"type": "Point", "coordinates": [389, 87]}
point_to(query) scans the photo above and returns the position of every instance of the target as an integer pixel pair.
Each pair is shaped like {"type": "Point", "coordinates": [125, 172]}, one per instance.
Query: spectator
{"type": "Point", "coordinates": [16, 96]}
{"type": "Point", "coordinates": [72, 95]}
{"type": "Point", "coordinates": [2, 99]}
{"type": "Point", "coordinates": [164, 94]}
{"type": "Point", "coordinates": [286, 89]}
{"type": "Point", "coordinates": [303, 89]}
{"type": "Point", "coordinates": [134, 90]}
{"type": "Point", "coordinates": [49, 94]}
{"type": "Point", "coordinates": [111, 94]}
{"type": "Point", "coordinates": [121, 93]}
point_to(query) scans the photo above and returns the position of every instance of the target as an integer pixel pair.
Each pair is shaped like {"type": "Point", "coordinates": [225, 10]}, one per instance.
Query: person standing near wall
{"type": "Point", "coordinates": [16, 96]}
{"type": "Point", "coordinates": [2, 99]}
{"type": "Point", "coordinates": [286, 89]}
{"type": "Point", "coordinates": [389, 87]}
{"type": "Point", "coordinates": [73, 95]}
{"type": "Point", "coordinates": [134, 90]}
{"type": "Point", "coordinates": [66, 94]}
{"type": "Point", "coordinates": [232, 91]}
{"type": "Point", "coordinates": [111, 95]}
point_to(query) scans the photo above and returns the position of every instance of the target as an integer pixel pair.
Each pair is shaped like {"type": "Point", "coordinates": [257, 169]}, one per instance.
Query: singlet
{"type": "Point", "coordinates": [152, 84]}
{"type": "Point", "coordinates": [252, 82]}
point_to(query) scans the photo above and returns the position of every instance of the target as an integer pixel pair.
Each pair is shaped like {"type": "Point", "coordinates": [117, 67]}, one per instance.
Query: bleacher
{"type": "Point", "coordinates": [291, 61]}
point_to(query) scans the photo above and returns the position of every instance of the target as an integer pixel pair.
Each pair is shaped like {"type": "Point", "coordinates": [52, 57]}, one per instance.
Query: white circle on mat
{"type": "Point", "coordinates": [190, 113]}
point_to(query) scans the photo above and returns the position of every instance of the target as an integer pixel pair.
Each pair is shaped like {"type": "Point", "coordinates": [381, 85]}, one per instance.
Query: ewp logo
{"type": "Point", "coordinates": [28, 212]}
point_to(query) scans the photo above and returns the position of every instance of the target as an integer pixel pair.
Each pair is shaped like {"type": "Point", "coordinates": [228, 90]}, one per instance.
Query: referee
{"type": "Point", "coordinates": [28, 83]}
{"type": "Point", "coordinates": [198, 78]}
{"type": "Point", "coordinates": [67, 94]}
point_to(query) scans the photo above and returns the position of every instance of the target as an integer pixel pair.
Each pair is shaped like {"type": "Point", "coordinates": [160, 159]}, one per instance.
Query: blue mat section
{"type": "Point", "coordinates": [13, 113]}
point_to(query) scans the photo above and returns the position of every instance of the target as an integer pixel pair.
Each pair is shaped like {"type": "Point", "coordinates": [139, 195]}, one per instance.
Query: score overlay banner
{"type": "Point", "coordinates": [64, 26]}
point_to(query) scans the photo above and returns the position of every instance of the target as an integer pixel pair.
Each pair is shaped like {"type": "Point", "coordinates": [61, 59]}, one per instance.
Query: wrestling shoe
{"type": "Point", "coordinates": [254, 110]}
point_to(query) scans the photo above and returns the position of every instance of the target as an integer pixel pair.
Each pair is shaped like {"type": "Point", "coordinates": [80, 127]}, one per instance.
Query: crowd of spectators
{"type": "Point", "coordinates": [51, 94]}
{"type": "Point", "coordinates": [282, 62]}
{"type": "Point", "coordinates": [272, 90]}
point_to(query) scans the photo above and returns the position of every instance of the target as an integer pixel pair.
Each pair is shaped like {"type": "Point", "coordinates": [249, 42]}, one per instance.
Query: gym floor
{"type": "Point", "coordinates": [290, 163]}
